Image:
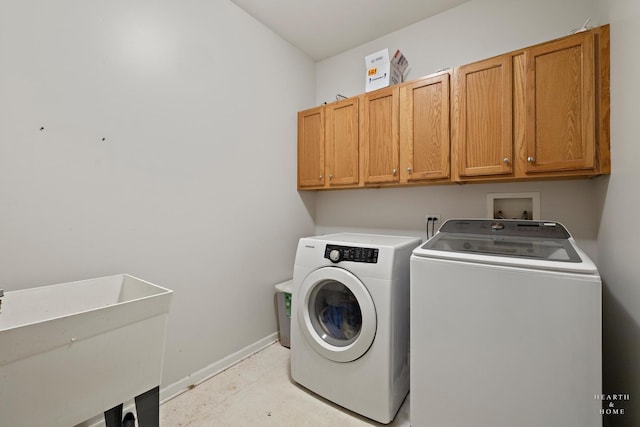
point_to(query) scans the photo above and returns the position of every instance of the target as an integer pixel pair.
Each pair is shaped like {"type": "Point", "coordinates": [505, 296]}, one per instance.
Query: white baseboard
{"type": "Point", "coordinates": [180, 386]}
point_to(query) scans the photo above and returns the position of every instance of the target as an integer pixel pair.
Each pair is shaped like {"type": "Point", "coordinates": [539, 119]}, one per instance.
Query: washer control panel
{"type": "Point", "coordinates": [337, 253]}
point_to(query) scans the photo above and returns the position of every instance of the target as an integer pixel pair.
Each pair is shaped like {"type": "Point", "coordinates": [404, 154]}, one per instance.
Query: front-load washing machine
{"type": "Point", "coordinates": [505, 327]}
{"type": "Point", "coordinates": [350, 320]}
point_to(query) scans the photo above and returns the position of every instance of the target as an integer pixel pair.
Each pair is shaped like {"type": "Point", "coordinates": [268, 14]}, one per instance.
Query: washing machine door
{"type": "Point", "coordinates": [336, 314]}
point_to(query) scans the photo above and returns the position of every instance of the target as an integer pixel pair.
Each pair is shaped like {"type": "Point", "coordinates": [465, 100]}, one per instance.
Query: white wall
{"type": "Point", "coordinates": [402, 210]}
{"type": "Point", "coordinates": [475, 30]}
{"type": "Point", "coordinates": [194, 185]}
{"type": "Point", "coordinates": [620, 200]}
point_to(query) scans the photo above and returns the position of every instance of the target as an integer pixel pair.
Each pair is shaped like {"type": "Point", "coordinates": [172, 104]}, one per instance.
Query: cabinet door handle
{"type": "Point", "coordinates": [506, 160]}
{"type": "Point", "coordinates": [395, 171]}
{"type": "Point", "coordinates": [330, 176]}
{"type": "Point", "coordinates": [531, 159]}
{"type": "Point", "coordinates": [320, 178]}
{"type": "Point", "coordinates": [409, 169]}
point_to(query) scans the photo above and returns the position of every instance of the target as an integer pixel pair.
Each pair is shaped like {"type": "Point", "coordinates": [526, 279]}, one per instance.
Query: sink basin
{"type": "Point", "coordinates": [71, 351]}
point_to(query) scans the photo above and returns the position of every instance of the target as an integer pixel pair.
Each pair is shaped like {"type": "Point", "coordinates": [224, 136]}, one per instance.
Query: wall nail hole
{"type": "Point", "coordinates": [41, 127]}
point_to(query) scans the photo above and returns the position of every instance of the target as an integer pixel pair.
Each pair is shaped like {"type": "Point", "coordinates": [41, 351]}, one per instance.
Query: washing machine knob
{"type": "Point", "coordinates": [334, 255]}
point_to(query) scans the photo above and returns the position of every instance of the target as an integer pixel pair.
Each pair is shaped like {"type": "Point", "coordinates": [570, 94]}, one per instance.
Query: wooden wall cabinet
{"type": "Point", "coordinates": [405, 133]}
{"type": "Point", "coordinates": [342, 139]}
{"type": "Point", "coordinates": [328, 145]}
{"type": "Point", "coordinates": [311, 148]}
{"type": "Point", "coordinates": [395, 135]}
{"type": "Point", "coordinates": [538, 113]}
{"type": "Point", "coordinates": [482, 125]}
{"type": "Point", "coordinates": [424, 130]}
{"type": "Point", "coordinates": [560, 97]}
{"type": "Point", "coordinates": [380, 144]}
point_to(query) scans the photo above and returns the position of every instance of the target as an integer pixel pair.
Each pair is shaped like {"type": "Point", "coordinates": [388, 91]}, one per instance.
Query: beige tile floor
{"type": "Point", "coordinates": [259, 392]}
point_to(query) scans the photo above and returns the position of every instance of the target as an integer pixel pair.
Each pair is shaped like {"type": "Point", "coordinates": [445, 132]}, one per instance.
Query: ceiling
{"type": "Point", "coordinates": [324, 28]}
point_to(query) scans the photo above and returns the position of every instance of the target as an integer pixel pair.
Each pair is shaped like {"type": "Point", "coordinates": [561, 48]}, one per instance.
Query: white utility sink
{"type": "Point", "coordinates": [71, 351]}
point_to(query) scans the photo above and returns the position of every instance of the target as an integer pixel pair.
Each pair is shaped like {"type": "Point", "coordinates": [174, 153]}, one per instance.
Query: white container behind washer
{"type": "Point", "coordinates": [360, 362]}
{"type": "Point", "coordinates": [505, 328]}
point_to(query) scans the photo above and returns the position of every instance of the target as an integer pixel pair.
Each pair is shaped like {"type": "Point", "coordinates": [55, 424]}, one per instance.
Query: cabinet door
{"type": "Point", "coordinates": [341, 133]}
{"type": "Point", "coordinates": [482, 131]}
{"type": "Point", "coordinates": [560, 97]}
{"type": "Point", "coordinates": [380, 139]}
{"type": "Point", "coordinates": [311, 148]}
{"type": "Point", "coordinates": [424, 129]}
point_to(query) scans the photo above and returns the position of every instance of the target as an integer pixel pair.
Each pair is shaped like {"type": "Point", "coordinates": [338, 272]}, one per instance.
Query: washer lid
{"type": "Point", "coordinates": [506, 227]}
{"type": "Point", "coordinates": [534, 244]}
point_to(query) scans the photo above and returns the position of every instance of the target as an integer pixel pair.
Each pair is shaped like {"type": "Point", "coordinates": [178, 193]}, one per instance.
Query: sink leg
{"type": "Point", "coordinates": [148, 408]}
{"type": "Point", "coordinates": [113, 417]}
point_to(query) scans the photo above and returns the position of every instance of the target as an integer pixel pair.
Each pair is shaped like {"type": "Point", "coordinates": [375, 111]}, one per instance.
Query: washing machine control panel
{"type": "Point", "coordinates": [337, 253]}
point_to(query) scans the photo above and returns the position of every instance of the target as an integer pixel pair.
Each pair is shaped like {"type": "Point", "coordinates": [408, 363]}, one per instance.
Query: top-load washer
{"type": "Point", "coordinates": [505, 327]}
{"type": "Point", "coordinates": [350, 320]}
